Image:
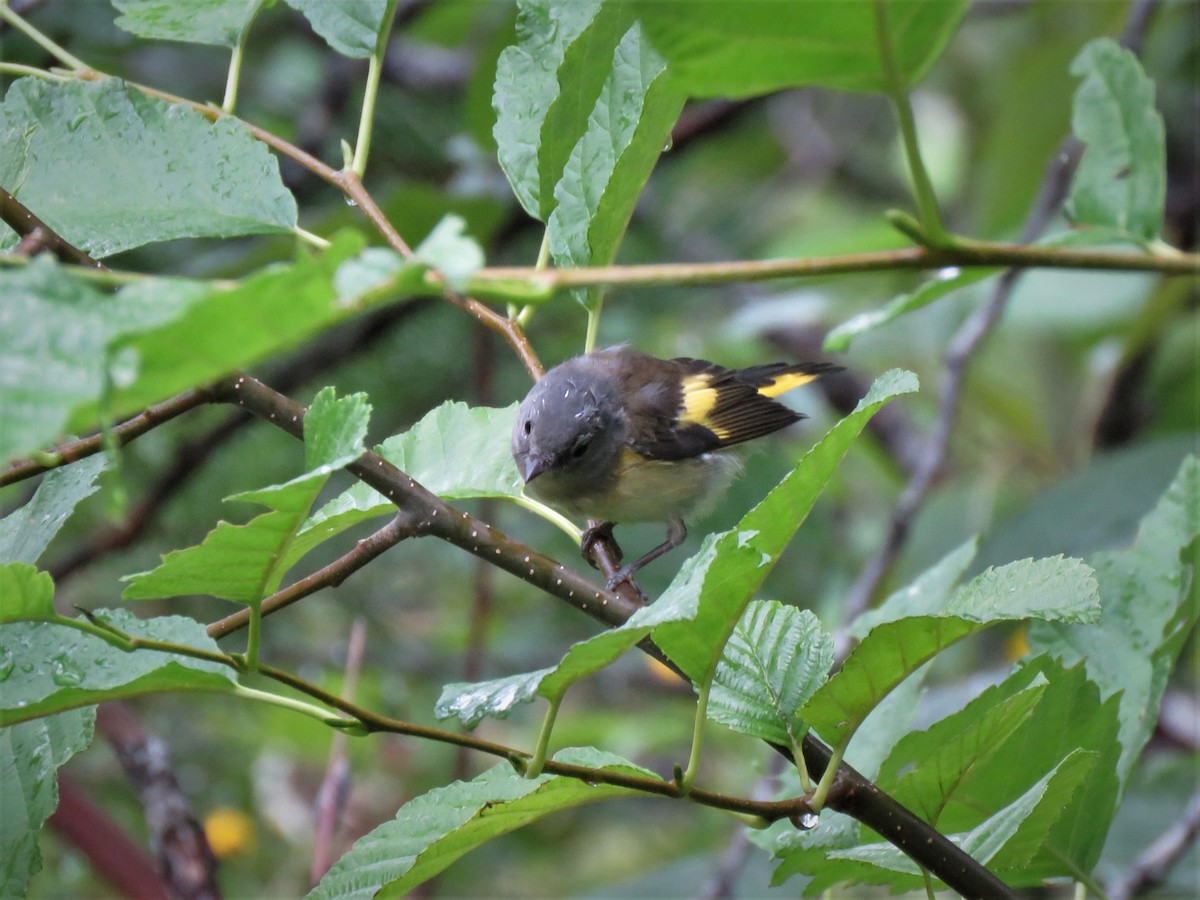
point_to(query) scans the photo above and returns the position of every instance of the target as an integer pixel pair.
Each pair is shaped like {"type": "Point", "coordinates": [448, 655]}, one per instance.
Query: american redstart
{"type": "Point", "coordinates": [621, 436]}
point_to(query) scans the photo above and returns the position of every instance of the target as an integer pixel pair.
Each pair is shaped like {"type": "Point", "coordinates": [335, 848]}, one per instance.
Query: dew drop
{"type": "Point", "coordinates": [64, 672]}
{"type": "Point", "coordinates": [809, 820]}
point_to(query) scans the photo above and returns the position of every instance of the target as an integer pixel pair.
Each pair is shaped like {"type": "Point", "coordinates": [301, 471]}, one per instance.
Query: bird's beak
{"type": "Point", "coordinates": [533, 466]}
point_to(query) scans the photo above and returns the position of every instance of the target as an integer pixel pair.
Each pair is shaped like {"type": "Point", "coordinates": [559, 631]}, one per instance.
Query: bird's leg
{"type": "Point", "coordinates": [594, 534]}
{"type": "Point", "coordinates": [676, 535]}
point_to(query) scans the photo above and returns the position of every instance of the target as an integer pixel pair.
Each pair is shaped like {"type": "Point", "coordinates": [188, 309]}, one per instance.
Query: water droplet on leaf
{"type": "Point", "coordinates": [6, 663]}
{"type": "Point", "coordinates": [64, 671]}
{"type": "Point", "coordinates": [809, 820]}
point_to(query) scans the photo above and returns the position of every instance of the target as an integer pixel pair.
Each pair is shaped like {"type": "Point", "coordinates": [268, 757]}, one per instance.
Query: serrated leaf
{"type": "Point", "coordinates": [537, 122]}
{"type": "Point", "coordinates": [57, 667]}
{"type": "Point", "coordinates": [470, 703]}
{"type": "Point", "coordinates": [929, 593]}
{"type": "Point", "coordinates": [1015, 826]}
{"type": "Point", "coordinates": [1051, 589]}
{"type": "Point", "coordinates": [943, 756]}
{"type": "Point", "coordinates": [730, 566]}
{"type": "Point", "coordinates": [448, 250]}
{"type": "Point", "coordinates": [30, 756]}
{"type": "Point", "coordinates": [219, 22]}
{"type": "Point", "coordinates": [775, 659]}
{"type": "Point", "coordinates": [944, 282]}
{"type": "Point", "coordinates": [244, 563]}
{"type": "Point", "coordinates": [351, 27]}
{"type": "Point", "coordinates": [1149, 608]}
{"type": "Point", "coordinates": [793, 44]}
{"type": "Point", "coordinates": [54, 335]}
{"type": "Point", "coordinates": [456, 451]}
{"type": "Point", "coordinates": [433, 830]}
{"type": "Point", "coordinates": [25, 594]}
{"type": "Point", "coordinates": [334, 430]}
{"type": "Point", "coordinates": [610, 163]}
{"type": "Point", "coordinates": [25, 532]}
{"type": "Point", "coordinates": [1121, 178]}
{"type": "Point", "coordinates": [271, 311]}
{"type": "Point", "coordinates": [584, 106]}
{"type": "Point", "coordinates": [122, 152]}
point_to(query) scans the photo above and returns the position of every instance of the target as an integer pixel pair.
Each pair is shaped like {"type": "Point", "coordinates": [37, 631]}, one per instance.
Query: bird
{"type": "Point", "coordinates": [617, 435]}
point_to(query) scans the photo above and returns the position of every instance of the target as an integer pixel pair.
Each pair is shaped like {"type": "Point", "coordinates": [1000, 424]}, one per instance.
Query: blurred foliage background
{"type": "Point", "coordinates": [1077, 413]}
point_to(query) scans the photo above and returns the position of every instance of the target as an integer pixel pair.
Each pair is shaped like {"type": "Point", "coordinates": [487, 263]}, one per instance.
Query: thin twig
{"type": "Point", "coordinates": [1153, 865]}
{"type": "Point", "coordinates": [962, 254]}
{"type": "Point", "coordinates": [335, 786]}
{"type": "Point", "coordinates": [959, 355]}
{"type": "Point", "coordinates": [331, 575]}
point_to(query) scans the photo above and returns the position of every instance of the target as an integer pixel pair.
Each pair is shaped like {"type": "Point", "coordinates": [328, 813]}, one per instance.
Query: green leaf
{"type": "Point", "coordinates": [1008, 850]}
{"type": "Point", "coordinates": [477, 462]}
{"type": "Point", "coordinates": [57, 667]}
{"type": "Point", "coordinates": [432, 831]}
{"type": "Point", "coordinates": [122, 152]}
{"type": "Point", "coordinates": [271, 311]}
{"type": "Point", "coordinates": [25, 594]}
{"type": "Point", "coordinates": [961, 744]}
{"type": "Point", "coordinates": [30, 756]}
{"type": "Point", "coordinates": [470, 703]}
{"type": "Point", "coordinates": [609, 165]}
{"type": "Point", "coordinates": [584, 106]}
{"type": "Point", "coordinates": [1149, 604]}
{"type": "Point", "coordinates": [219, 22]}
{"type": "Point", "coordinates": [1121, 179]}
{"type": "Point", "coordinates": [928, 595]}
{"type": "Point", "coordinates": [538, 123]}
{"type": "Point", "coordinates": [25, 532]}
{"type": "Point", "coordinates": [54, 332]}
{"type": "Point", "coordinates": [1054, 589]}
{"type": "Point", "coordinates": [946, 281]}
{"type": "Point", "coordinates": [351, 27]}
{"type": "Point", "coordinates": [776, 658]}
{"type": "Point", "coordinates": [244, 563]}
{"type": "Point", "coordinates": [448, 250]}
{"type": "Point", "coordinates": [729, 48]}
{"type": "Point", "coordinates": [1005, 836]}
{"type": "Point", "coordinates": [730, 566]}
{"type": "Point", "coordinates": [334, 430]}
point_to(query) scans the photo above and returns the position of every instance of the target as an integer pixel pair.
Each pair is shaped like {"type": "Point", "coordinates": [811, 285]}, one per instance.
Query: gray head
{"type": "Point", "coordinates": [570, 432]}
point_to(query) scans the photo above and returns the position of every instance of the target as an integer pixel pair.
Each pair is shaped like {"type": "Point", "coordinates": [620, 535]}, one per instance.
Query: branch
{"type": "Point", "coordinates": [186, 862]}
{"type": "Point", "coordinates": [331, 798]}
{"type": "Point", "coordinates": [121, 434]}
{"type": "Point", "coordinates": [498, 281]}
{"type": "Point", "coordinates": [331, 575]}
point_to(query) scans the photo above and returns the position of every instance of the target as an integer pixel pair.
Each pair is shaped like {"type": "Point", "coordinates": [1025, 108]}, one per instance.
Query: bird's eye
{"type": "Point", "coordinates": [527, 427]}
{"type": "Point", "coordinates": [580, 448]}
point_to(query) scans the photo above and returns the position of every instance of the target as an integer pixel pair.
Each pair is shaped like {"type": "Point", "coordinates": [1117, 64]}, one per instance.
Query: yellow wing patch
{"type": "Point", "coordinates": [781, 384]}
{"type": "Point", "coordinates": [699, 400]}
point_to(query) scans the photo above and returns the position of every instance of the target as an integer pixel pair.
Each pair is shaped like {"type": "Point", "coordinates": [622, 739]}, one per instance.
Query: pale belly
{"type": "Point", "coordinates": [651, 491]}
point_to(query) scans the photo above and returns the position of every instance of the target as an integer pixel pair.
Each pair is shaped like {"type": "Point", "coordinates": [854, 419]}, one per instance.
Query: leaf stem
{"type": "Point", "coordinates": [537, 762]}
{"type": "Point", "coordinates": [12, 18]}
{"type": "Point", "coordinates": [254, 635]}
{"type": "Point", "coordinates": [934, 231]}
{"type": "Point", "coordinates": [688, 781]}
{"type": "Point", "coordinates": [552, 516]}
{"type": "Point", "coordinates": [305, 709]}
{"type": "Point", "coordinates": [593, 324]}
{"type": "Point", "coordinates": [831, 770]}
{"type": "Point", "coordinates": [366, 119]}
